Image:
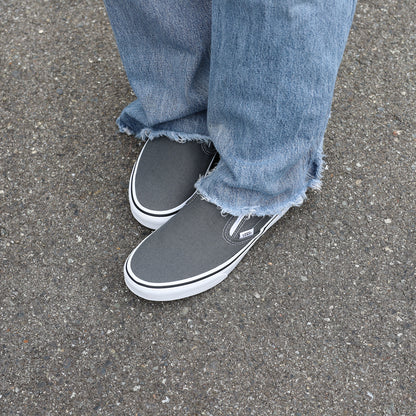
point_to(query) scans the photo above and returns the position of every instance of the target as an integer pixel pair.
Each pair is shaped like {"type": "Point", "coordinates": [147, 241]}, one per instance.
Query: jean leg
{"type": "Point", "coordinates": [165, 49]}
{"type": "Point", "coordinates": [273, 71]}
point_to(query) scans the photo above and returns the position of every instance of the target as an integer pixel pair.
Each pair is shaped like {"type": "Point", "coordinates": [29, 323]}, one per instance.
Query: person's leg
{"type": "Point", "coordinates": [272, 75]}
{"type": "Point", "coordinates": [164, 46]}
{"type": "Point", "coordinates": [273, 70]}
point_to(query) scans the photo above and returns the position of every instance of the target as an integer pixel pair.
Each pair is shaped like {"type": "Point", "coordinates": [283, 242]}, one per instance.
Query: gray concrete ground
{"type": "Point", "coordinates": [319, 318]}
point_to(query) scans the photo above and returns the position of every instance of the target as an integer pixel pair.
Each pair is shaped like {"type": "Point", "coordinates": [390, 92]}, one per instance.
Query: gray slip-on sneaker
{"type": "Point", "coordinates": [193, 252]}
{"type": "Point", "coordinates": [163, 178]}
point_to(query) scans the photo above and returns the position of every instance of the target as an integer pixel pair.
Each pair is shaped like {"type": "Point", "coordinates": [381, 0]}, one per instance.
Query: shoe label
{"type": "Point", "coordinates": [247, 233]}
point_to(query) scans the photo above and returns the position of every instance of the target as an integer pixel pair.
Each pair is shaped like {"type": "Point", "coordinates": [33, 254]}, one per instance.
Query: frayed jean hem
{"type": "Point", "coordinates": [221, 195]}
{"type": "Point", "coordinates": [147, 133]}
{"type": "Point", "coordinates": [263, 206]}
{"type": "Point", "coordinates": [260, 211]}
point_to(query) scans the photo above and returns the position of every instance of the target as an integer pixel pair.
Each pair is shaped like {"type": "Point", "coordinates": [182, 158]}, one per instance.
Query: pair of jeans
{"type": "Point", "coordinates": [254, 77]}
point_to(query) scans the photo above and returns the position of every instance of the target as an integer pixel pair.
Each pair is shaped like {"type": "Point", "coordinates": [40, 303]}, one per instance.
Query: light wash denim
{"type": "Point", "coordinates": [255, 77]}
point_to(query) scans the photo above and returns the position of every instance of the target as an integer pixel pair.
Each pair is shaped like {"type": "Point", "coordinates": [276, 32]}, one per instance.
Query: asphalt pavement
{"type": "Point", "coordinates": [319, 317]}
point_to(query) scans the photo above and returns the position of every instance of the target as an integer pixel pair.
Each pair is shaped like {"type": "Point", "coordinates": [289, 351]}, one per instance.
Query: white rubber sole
{"type": "Point", "coordinates": [173, 293]}
{"type": "Point", "coordinates": [150, 221]}
{"type": "Point", "coordinates": [191, 286]}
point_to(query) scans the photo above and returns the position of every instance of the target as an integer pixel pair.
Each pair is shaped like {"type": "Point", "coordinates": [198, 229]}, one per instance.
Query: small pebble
{"type": "Point", "coordinates": [185, 310]}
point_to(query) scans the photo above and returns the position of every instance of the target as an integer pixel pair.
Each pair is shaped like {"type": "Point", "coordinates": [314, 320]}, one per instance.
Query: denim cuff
{"type": "Point", "coordinates": [217, 189]}
{"type": "Point", "coordinates": [133, 127]}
